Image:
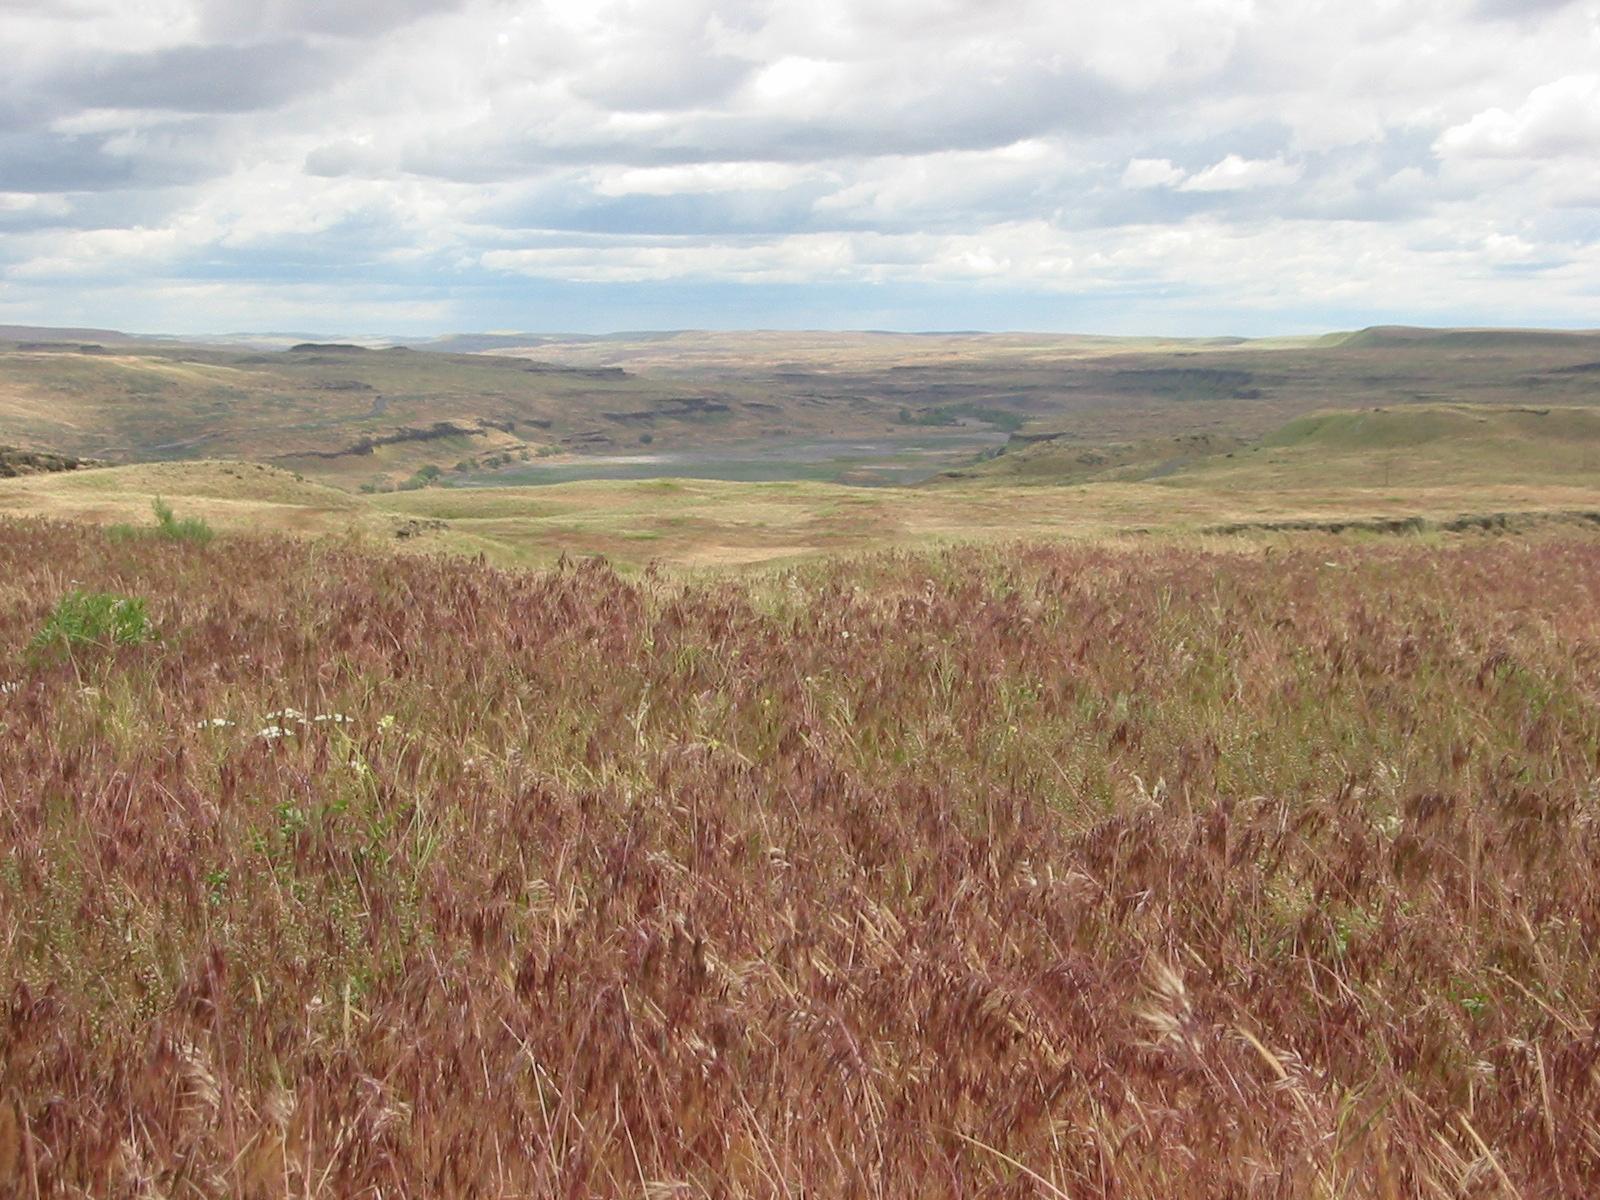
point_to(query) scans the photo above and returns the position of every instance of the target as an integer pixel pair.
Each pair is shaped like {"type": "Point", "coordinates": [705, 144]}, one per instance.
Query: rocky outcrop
{"type": "Point", "coordinates": [688, 407]}
{"type": "Point", "coordinates": [408, 433]}
{"type": "Point", "coordinates": [16, 461]}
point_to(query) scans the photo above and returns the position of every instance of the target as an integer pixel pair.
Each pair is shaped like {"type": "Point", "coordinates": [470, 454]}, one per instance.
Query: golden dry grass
{"type": "Point", "coordinates": [701, 523]}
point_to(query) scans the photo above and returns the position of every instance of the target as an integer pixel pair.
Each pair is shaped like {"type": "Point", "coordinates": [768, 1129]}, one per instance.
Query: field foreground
{"type": "Point", "coordinates": [702, 525]}
{"type": "Point", "coordinates": [1020, 871]}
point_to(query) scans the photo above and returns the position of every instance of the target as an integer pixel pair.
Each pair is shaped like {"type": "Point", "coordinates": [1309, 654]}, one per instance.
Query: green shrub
{"type": "Point", "coordinates": [168, 526]}
{"type": "Point", "coordinates": [84, 619]}
{"type": "Point", "coordinates": [422, 478]}
{"type": "Point", "coordinates": [180, 529]}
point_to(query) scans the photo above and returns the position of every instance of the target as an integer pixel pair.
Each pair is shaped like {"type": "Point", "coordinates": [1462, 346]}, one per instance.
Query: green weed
{"type": "Point", "coordinates": [180, 529]}
{"type": "Point", "coordinates": [90, 619]}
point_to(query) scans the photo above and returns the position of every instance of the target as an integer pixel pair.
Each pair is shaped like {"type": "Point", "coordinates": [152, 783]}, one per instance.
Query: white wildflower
{"type": "Point", "coordinates": [215, 723]}
{"type": "Point", "coordinates": [332, 718]}
{"type": "Point", "coordinates": [273, 732]}
{"type": "Point", "coordinates": [7, 689]}
{"type": "Point", "coordinates": [285, 715]}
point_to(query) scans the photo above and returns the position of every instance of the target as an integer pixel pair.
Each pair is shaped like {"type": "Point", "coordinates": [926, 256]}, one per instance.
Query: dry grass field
{"type": "Point", "coordinates": [1198, 799]}
{"type": "Point", "coordinates": [1029, 871]}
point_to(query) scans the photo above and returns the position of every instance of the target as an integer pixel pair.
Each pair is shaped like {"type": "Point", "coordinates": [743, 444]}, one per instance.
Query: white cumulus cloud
{"type": "Point", "coordinates": [1237, 174]}
{"type": "Point", "coordinates": [1562, 117]}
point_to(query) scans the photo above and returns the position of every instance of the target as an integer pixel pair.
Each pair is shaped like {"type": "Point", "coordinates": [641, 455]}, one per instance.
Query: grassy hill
{"type": "Point", "coordinates": [1511, 340]}
{"type": "Point", "coordinates": [1065, 460]}
{"type": "Point", "coordinates": [1417, 446]}
{"type": "Point", "coordinates": [1420, 445]}
{"type": "Point", "coordinates": [233, 497]}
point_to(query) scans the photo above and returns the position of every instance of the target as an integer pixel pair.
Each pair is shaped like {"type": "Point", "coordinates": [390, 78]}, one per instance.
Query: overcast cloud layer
{"type": "Point", "coordinates": [1139, 166]}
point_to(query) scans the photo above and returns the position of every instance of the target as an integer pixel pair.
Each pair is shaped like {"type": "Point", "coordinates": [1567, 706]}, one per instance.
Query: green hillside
{"type": "Point", "coordinates": [1419, 446]}
{"type": "Point", "coordinates": [1410, 446]}
{"type": "Point", "coordinates": [1069, 460]}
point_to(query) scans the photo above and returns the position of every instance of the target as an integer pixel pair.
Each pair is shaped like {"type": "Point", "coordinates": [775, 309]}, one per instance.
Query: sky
{"type": "Point", "coordinates": [1139, 166]}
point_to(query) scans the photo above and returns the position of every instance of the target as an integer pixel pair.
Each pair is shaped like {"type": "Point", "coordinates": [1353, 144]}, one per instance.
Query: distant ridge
{"type": "Point", "coordinates": [1403, 335]}
{"type": "Point", "coordinates": [48, 333]}
{"type": "Point", "coordinates": [475, 343]}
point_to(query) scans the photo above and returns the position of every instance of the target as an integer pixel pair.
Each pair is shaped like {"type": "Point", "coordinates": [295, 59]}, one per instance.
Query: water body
{"type": "Point", "coordinates": [867, 462]}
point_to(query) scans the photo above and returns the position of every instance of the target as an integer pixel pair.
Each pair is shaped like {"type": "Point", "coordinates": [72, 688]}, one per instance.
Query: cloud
{"type": "Point", "coordinates": [1236, 174]}
{"type": "Point", "coordinates": [158, 157]}
{"type": "Point", "coordinates": [1029, 252]}
{"type": "Point", "coordinates": [239, 19]}
{"type": "Point", "coordinates": [198, 79]}
{"type": "Point", "coordinates": [1157, 162]}
{"type": "Point", "coordinates": [663, 57]}
{"type": "Point", "coordinates": [1006, 183]}
{"type": "Point", "coordinates": [1152, 173]}
{"type": "Point", "coordinates": [697, 179]}
{"type": "Point", "coordinates": [1562, 117]}
{"type": "Point", "coordinates": [1521, 9]}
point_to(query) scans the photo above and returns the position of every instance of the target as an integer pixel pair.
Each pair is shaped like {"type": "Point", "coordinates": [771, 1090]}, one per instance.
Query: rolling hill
{"type": "Point", "coordinates": [341, 412]}
{"type": "Point", "coordinates": [1405, 470]}
{"type": "Point", "coordinates": [381, 418]}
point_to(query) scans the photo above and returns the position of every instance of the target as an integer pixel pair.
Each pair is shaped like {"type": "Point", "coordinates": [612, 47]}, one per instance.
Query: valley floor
{"type": "Point", "coordinates": [712, 524]}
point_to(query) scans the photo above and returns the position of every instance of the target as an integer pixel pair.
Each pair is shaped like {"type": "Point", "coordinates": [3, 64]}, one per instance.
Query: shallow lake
{"type": "Point", "coordinates": [867, 462]}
